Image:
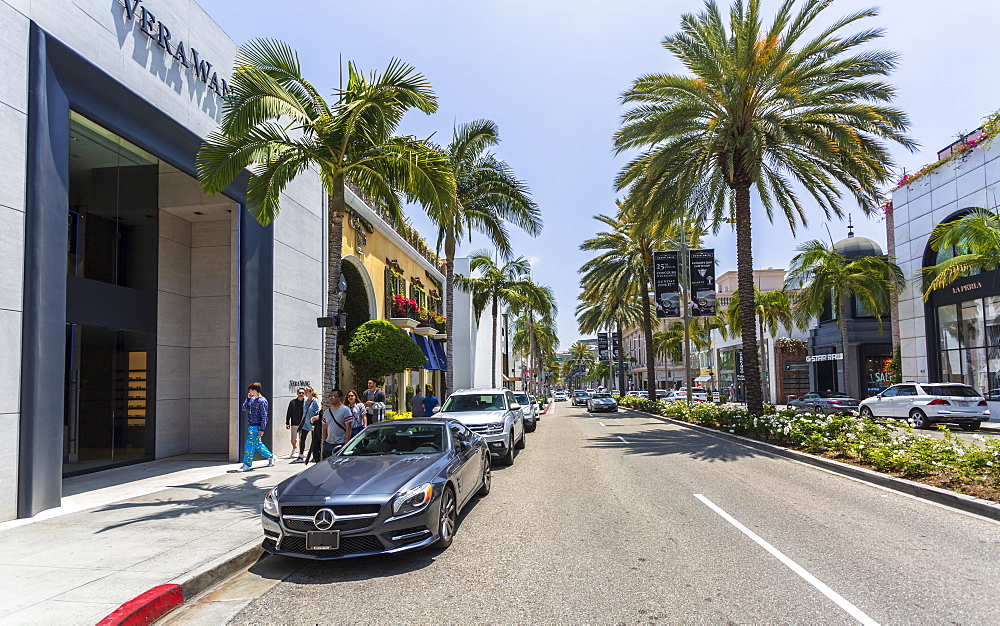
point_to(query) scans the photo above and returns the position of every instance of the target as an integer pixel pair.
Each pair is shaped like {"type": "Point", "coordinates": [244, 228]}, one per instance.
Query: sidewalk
{"type": "Point", "coordinates": [124, 531]}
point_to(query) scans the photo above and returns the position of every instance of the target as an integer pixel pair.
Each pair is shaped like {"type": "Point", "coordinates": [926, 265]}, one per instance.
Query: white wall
{"type": "Point", "coordinates": [13, 138]}
{"type": "Point", "coordinates": [463, 330]}
{"type": "Point", "coordinates": [917, 209]}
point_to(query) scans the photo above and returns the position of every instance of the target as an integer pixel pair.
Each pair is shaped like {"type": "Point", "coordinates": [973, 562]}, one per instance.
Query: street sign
{"type": "Point", "coordinates": [702, 282]}
{"type": "Point", "coordinates": [666, 288]}
{"type": "Point", "coordinates": [616, 345]}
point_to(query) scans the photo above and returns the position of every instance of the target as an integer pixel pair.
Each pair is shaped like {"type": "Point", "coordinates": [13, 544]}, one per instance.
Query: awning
{"type": "Point", "coordinates": [703, 378]}
{"type": "Point", "coordinates": [428, 351]}
{"type": "Point", "coordinates": [442, 354]}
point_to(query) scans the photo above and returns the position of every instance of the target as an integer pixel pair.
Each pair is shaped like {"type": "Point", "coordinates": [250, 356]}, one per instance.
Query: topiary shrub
{"type": "Point", "coordinates": [377, 348]}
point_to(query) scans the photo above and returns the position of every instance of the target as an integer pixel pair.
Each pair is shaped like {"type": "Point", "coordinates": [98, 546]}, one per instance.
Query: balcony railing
{"type": "Point", "coordinates": [404, 230]}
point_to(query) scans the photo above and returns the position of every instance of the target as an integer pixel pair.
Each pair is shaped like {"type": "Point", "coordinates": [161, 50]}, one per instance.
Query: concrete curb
{"type": "Point", "coordinates": [960, 501]}
{"type": "Point", "coordinates": [150, 606]}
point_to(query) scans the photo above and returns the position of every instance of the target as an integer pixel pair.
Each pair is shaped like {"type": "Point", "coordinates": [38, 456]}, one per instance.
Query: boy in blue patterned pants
{"type": "Point", "coordinates": [256, 407]}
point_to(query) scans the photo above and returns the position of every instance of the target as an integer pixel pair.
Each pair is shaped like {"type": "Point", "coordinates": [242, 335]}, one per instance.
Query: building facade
{"type": "Point", "coordinates": [953, 335]}
{"type": "Point", "coordinates": [136, 309]}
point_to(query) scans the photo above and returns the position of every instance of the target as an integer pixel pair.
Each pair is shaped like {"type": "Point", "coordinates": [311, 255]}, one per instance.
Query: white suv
{"type": "Point", "coordinates": [493, 413]}
{"type": "Point", "coordinates": [923, 404]}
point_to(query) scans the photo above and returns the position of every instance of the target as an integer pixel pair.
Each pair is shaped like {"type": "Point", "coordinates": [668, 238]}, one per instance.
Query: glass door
{"type": "Point", "coordinates": [107, 376]}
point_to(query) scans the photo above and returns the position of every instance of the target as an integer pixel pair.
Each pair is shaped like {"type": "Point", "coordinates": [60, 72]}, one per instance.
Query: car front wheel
{"type": "Point", "coordinates": [918, 419]}
{"type": "Point", "coordinates": [508, 459]}
{"type": "Point", "coordinates": [520, 443]}
{"type": "Point", "coordinates": [448, 519]}
{"type": "Point", "coordinates": [867, 413]}
{"type": "Point", "coordinates": [484, 490]}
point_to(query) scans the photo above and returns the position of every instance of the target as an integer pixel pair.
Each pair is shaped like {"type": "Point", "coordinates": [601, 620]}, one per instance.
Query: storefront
{"type": "Point", "coordinates": [137, 308]}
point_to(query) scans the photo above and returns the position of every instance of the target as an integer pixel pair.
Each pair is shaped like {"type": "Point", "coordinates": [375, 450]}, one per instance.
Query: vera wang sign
{"type": "Point", "coordinates": [184, 54]}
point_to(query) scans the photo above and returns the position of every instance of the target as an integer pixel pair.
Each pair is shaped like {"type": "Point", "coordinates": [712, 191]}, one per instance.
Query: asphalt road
{"type": "Point", "coordinates": [620, 518]}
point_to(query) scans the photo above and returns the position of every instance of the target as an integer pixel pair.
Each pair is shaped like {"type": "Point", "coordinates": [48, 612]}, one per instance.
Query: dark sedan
{"type": "Point", "coordinates": [826, 402]}
{"type": "Point", "coordinates": [397, 486]}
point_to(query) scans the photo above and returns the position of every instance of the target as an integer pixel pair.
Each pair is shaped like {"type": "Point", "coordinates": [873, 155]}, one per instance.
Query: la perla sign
{"type": "Point", "coordinates": [184, 54]}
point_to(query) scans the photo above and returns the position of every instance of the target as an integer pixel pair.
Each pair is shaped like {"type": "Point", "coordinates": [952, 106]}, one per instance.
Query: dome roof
{"type": "Point", "coordinates": [855, 247]}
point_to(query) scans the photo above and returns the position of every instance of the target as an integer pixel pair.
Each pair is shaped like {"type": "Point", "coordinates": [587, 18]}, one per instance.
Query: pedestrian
{"type": "Point", "coordinates": [338, 421]}
{"type": "Point", "coordinates": [374, 399]}
{"type": "Point", "coordinates": [357, 407]}
{"type": "Point", "coordinates": [256, 409]}
{"type": "Point", "coordinates": [430, 401]}
{"type": "Point", "coordinates": [310, 426]}
{"type": "Point", "coordinates": [293, 417]}
{"type": "Point", "coordinates": [417, 403]}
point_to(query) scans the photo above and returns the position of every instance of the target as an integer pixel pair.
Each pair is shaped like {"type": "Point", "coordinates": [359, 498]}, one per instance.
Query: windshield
{"type": "Point", "coordinates": [951, 390]}
{"type": "Point", "coordinates": [474, 402]}
{"type": "Point", "coordinates": [606, 396]}
{"type": "Point", "coordinates": [397, 439]}
{"type": "Point", "coordinates": [581, 394]}
{"type": "Point", "coordinates": [522, 399]}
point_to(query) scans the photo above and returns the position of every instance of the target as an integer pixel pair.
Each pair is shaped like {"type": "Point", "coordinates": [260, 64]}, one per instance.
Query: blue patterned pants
{"type": "Point", "coordinates": [254, 444]}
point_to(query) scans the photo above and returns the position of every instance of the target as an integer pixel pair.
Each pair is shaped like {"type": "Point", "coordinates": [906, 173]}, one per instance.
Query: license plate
{"type": "Point", "coordinates": [323, 540]}
{"type": "Point", "coordinates": [962, 403]}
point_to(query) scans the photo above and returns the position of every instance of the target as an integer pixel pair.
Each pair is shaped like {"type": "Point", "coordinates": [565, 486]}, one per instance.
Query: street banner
{"type": "Point", "coordinates": [741, 375]}
{"type": "Point", "coordinates": [666, 288]}
{"type": "Point", "coordinates": [616, 346]}
{"type": "Point", "coordinates": [702, 282]}
{"type": "Point", "coordinates": [602, 347]}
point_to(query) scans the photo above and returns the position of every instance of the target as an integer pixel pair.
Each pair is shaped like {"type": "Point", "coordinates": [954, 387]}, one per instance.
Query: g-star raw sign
{"type": "Point", "coordinates": [182, 53]}
{"type": "Point", "coordinates": [812, 358]}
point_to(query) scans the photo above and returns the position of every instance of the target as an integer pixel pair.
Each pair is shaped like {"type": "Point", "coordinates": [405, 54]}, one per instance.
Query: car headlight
{"type": "Point", "coordinates": [495, 428]}
{"type": "Point", "coordinates": [412, 500]}
{"type": "Point", "coordinates": [271, 502]}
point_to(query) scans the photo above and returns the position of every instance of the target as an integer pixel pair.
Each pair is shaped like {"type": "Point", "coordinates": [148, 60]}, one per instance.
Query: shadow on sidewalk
{"type": "Point", "coordinates": [680, 441]}
{"type": "Point", "coordinates": [243, 499]}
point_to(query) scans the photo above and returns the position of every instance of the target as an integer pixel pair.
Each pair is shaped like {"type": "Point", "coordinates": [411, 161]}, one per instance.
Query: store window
{"type": "Point", "coordinates": [969, 340]}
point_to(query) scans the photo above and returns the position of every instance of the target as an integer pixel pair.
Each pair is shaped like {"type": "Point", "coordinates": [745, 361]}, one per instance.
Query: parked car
{"type": "Point", "coordinates": [826, 402]}
{"type": "Point", "coordinates": [492, 413]}
{"type": "Point", "coordinates": [529, 409]}
{"type": "Point", "coordinates": [924, 404]}
{"type": "Point", "coordinates": [674, 395]}
{"type": "Point", "coordinates": [580, 398]}
{"type": "Point", "coordinates": [697, 393]}
{"type": "Point", "coordinates": [602, 401]}
{"type": "Point", "coordinates": [560, 397]}
{"type": "Point", "coordinates": [397, 486]}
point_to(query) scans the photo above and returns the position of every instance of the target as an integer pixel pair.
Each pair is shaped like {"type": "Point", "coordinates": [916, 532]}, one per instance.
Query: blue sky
{"type": "Point", "coordinates": [549, 73]}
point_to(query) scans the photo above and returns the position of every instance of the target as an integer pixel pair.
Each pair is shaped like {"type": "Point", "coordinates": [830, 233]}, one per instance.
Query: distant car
{"type": "Point", "coordinates": [560, 397]}
{"type": "Point", "coordinates": [697, 393]}
{"type": "Point", "coordinates": [675, 395]}
{"type": "Point", "coordinates": [580, 398]}
{"type": "Point", "coordinates": [494, 414]}
{"type": "Point", "coordinates": [924, 404]}
{"type": "Point", "coordinates": [826, 402]}
{"type": "Point", "coordinates": [602, 401]}
{"type": "Point", "coordinates": [399, 485]}
{"type": "Point", "coordinates": [993, 394]}
{"type": "Point", "coordinates": [529, 408]}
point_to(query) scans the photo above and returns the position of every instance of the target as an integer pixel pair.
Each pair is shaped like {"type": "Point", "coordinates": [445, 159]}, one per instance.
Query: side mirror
{"type": "Point", "coordinates": [436, 409]}
{"type": "Point", "coordinates": [515, 407]}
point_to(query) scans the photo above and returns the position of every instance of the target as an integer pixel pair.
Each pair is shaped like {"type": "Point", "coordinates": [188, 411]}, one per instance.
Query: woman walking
{"type": "Point", "coordinates": [256, 408]}
{"type": "Point", "coordinates": [358, 408]}
{"type": "Point", "coordinates": [310, 424]}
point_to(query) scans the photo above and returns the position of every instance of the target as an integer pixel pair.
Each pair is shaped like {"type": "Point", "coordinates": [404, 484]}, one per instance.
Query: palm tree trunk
{"type": "Point", "coordinates": [647, 330]}
{"type": "Point", "coordinates": [748, 306]}
{"type": "Point", "coordinates": [848, 365]}
{"type": "Point", "coordinates": [890, 244]}
{"type": "Point", "coordinates": [449, 311]}
{"type": "Point", "coordinates": [493, 363]}
{"type": "Point", "coordinates": [621, 360]}
{"type": "Point", "coordinates": [530, 387]}
{"type": "Point", "coordinates": [336, 207]}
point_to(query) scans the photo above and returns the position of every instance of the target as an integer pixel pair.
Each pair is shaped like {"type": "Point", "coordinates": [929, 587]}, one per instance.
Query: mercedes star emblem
{"type": "Point", "coordinates": [324, 519]}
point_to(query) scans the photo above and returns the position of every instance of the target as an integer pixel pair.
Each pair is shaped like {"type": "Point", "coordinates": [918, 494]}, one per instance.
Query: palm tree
{"type": "Point", "coordinates": [535, 326]}
{"type": "Point", "coordinates": [487, 194]}
{"type": "Point", "coordinates": [761, 108]}
{"type": "Point", "coordinates": [581, 355]}
{"type": "Point", "coordinates": [976, 239]}
{"type": "Point", "coordinates": [276, 123]}
{"type": "Point", "coordinates": [625, 267]}
{"type": "Point", "coordinates": [602, 307]}
{"type": "Point", "coordinates": [506, 284]}
{"type": "Point", "coordinates": [829, 278]}
{"type": "Point", "coordinates": [771, 308]}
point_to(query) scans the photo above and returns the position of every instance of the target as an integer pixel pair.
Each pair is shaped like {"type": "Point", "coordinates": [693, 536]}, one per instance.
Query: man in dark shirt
{"type": "Point", "coordinates": [374, 399]}
{"type": "Point", "coordinates": [293, 416]}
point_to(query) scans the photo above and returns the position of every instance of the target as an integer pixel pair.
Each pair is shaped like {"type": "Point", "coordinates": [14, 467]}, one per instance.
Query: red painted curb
{"type": "Point", "coordinates": [145, 608]}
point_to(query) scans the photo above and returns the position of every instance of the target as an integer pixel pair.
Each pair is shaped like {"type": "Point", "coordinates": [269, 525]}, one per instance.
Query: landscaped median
{"type": "Point", "coordinates": [885, 446]}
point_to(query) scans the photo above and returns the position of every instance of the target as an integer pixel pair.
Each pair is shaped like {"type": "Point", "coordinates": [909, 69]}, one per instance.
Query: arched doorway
{"type": "Point", "coordinates": [359, 305]}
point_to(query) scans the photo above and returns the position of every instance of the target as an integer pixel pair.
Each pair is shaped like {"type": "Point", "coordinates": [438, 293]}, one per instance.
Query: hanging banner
{"type": "Point", "coordinates": [602, 347]}
{"type": "Point", "coordinates": [741, 375]}
{"type": "Point", "coordinates": [616, 346]}
{"type": "Point", "coordinates": [666, 289]}
{"type": "Point", "coordinates": [702, 282]}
